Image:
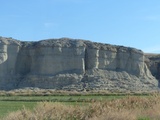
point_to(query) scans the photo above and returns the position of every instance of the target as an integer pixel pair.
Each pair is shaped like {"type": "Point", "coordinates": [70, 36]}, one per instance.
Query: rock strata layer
{"type": "Point", "coordinates": [73, 64]}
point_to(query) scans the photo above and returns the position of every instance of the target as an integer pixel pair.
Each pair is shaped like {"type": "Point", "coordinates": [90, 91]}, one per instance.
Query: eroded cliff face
{"type": "Point", "coordinates": [8, 56]}
{"type": "Point", "coordinates": [153, 63]}
{"type": "Point", "coordinates": [69, 64]}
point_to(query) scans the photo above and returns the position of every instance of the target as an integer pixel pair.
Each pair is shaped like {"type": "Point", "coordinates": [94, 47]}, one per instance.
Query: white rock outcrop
{"type": "Point", "coordinates": [68, 64]}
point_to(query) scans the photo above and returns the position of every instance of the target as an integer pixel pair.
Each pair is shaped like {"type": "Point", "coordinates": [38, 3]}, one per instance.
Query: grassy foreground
{"type": "Point", "coordinates": [10, 103]}
{"type": "Point", "coordinates": [10, 106]}
{"type": "Point", "coordinates": [125, 108]}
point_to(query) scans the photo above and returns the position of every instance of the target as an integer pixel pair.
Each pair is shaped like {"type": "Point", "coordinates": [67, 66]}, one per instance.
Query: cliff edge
{"type": "Point", "coordinates": [73, 64]}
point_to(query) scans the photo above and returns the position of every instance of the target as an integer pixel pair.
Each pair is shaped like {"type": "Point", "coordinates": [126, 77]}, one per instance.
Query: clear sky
{"type": "Point", "coordinates": [132, 23]}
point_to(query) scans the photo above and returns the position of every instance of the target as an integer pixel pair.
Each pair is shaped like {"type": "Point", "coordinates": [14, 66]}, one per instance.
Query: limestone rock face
{"type": "Point", "coordinates": [153, 63]}
{"type": "Point", "coordinates": [68, 64]}
{"type": "Point", "coordinates": [9, 50]}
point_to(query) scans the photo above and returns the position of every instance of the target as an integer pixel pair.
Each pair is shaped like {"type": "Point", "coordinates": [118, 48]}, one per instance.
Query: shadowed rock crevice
{"type": "Point", "coordinates": [153, 63]}
{"type": "Point", "coordinates": [23, 68]}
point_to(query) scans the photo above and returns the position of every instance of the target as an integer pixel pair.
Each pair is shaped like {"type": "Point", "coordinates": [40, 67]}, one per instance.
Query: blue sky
{"type": "Point", "coordinates": [133, 23]}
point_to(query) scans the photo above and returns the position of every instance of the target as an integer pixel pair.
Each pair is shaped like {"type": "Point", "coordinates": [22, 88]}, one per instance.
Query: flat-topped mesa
{"type": "Point", "coordinates": [58, 63]}
{"type": "Point", "coordinates": [78, 55]}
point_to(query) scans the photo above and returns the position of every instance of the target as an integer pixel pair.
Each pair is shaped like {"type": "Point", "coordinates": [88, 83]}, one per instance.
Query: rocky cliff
{"type": "Point", "coordinates": [153, 63]}
{"type": "Point", "coordinates": [73, 64]}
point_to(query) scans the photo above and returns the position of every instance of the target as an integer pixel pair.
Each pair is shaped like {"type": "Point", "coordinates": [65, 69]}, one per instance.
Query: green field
{"type": "Point", "coordinates": [65, 98]}
{"type": "Point", "coordinates": [10, 103]}
{"type": "Point", "coordinates": [13, 103]}
{"type": "Point", "coordinates": [10, 106]}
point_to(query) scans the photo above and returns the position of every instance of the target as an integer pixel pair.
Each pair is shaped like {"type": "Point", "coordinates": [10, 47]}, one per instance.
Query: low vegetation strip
{"type": "Point", "coordinates": [126, 108]}
{"type": "Point", "coordinates": [10, 103]}
{"type": "Point", "coordinates": [65, 98]}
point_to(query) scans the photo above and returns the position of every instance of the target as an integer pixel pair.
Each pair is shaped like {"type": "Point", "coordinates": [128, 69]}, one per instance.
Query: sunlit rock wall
{"type": "Point", "coordinates": [68, 63]}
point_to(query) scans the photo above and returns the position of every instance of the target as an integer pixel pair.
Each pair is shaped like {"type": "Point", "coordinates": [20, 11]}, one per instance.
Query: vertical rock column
{"type": "Point", "coordinates": [3, 53]}
{"type": "Point", "coordinates": [92, 58]}
{"type": "Point", "coordinates": [8, 56]}
{"type": "Point", "coordinates": [137, 64]}
{"type": "Point", "coordinates": [3, 59]}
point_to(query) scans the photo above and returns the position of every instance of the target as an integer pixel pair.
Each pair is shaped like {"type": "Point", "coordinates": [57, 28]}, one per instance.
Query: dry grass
{"type": "Point", "coordinates": [128, 108]}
